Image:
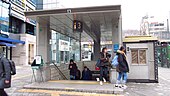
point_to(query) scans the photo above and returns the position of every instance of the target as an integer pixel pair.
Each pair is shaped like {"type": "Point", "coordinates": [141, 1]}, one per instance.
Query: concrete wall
{"type": "Point", "coordinates": [20, 53]}
{"type": "Point", "coordinates": [90, 65]}
{"type": "Point", "coordinates": [43, 35]}
{"type": "Point", "coordinates": [64, 68]}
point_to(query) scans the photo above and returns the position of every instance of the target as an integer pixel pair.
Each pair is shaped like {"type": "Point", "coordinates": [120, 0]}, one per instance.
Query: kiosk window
{"type": "Point", "coordinates": [138, 56]}
{"type": "Point", "coordinates": [142, 56]}
{"type": "Point", "coordinates": [134, 53]}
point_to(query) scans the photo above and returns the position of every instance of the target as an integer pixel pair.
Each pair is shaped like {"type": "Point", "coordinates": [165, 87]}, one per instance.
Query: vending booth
{"type": "Point", "coordinates": [142, 58]}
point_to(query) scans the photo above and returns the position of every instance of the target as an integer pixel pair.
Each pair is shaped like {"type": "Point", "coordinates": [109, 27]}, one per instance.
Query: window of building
{"type": "Point", "coordinates": [16, 25]}
{"type": "Point", "coordinates": [138, 56]}
{"type": "Point", "coordinates": [63, 53]}
{"type": "Point", "coordinates": [30, 29]}
{"type": "Point", "coordinates": [85, 45]}
{"type": "Point", "coordinates": [20, 2]}
{"type": "Point", "coordinates": [4, 17]}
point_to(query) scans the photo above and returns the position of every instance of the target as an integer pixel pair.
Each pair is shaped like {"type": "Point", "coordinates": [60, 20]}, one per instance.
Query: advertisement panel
{"type": "Point", "coordinates": [64, 45]}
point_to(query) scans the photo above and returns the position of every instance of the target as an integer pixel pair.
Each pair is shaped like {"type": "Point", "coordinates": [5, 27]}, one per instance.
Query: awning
{"type": "Point", "coordinates": [7, 44]}
{"type": "Point", "coordinates": [11, 40]}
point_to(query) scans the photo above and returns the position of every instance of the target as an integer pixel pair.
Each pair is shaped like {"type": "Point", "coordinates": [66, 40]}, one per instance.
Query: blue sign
{"type": "Point", "coordinates": [116, 47]}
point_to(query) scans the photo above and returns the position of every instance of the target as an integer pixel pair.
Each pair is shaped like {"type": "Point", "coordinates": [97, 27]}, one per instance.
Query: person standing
{"type": "Point", "coordinates": [122, 67]}
{"type": "Point", "coordinates": [104, 63]}
{"type": "Point", "coordinates": [73, 69]}
{"type": "Point", "coordinates": [5, 75]}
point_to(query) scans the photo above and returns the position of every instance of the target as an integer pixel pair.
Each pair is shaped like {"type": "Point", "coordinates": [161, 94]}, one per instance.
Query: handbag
{"type": "Point", "coordinates": [97, 68]}
{"type": "Point", "coordinates": [3, 84]}
{"type": "Point", "coordinates": [117, 68]}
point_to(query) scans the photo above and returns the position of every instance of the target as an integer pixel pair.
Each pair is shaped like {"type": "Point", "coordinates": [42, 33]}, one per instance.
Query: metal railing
{"type": "Point", "coordinates": [60, 72]}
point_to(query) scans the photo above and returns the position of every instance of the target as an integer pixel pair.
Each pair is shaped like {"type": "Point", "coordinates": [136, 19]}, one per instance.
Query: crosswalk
{"type": "Point", "coordinates": [64, 93]}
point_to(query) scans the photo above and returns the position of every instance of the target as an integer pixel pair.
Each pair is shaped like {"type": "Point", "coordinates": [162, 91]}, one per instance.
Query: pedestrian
{"type": "Point", "coordinates": [78, 74]}
{"type": "Point", "coordinates": [122, 68]}
{"type": "Point", "coordinates": [5, 75]}
{"type": "Point", "coordinates": [104, 64]}
{"type": "Point", "coordinates": [86, 74]}
{"type": "Point", "coordinates": [73, 69]}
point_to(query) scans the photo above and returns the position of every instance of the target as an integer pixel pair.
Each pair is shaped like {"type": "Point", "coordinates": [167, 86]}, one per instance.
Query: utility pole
{"type": "Point", "coordinates": [168, 25]}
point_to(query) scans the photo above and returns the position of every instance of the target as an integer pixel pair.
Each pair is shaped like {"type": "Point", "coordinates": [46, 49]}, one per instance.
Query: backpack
{"type": "Point", "coordinates": [115, 61]}
{"type": "Point", "coordinates": [13, 68]}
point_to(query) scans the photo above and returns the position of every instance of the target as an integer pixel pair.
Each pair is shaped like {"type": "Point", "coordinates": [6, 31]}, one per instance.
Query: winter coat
{"type": "Point", "coordinates": [73, 70]}
{"type": "Point", "coordinates": [78, 74]}
{"type": "Point", "coordinates": [123, 65]}
{"type": "Point", "coordinates": [5, 73]}
{"type": "Point", "coordinates": [104, 60]}
{"type": "Point", "coordinates": [86, 75]}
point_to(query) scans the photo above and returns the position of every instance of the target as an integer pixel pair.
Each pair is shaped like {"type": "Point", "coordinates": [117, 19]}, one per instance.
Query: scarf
{"type": "Point", "coordinates": [121, 52]}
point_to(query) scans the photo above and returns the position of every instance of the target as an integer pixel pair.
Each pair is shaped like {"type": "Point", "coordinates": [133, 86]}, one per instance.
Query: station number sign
{"type": "Point", "coordinates": [77, 26]}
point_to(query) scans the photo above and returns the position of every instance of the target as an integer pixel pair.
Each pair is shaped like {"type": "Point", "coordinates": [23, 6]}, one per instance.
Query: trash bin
{"type": "Point", "coordinates": [113, 75]}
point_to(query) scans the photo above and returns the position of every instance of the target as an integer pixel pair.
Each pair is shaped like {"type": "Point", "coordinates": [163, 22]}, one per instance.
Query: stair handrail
{"type": "Point", "coordinates": [60, 72]}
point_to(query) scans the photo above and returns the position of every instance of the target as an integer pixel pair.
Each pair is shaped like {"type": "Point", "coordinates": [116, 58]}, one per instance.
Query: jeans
{"type": "Point", "coordinates": [72, 77]}
{"type": "Point", "coordinates": [3, 93]}
{"type": "Point", "coordinates": [103, 73]}
{"type": "Point", "coordinates": [123, 76]}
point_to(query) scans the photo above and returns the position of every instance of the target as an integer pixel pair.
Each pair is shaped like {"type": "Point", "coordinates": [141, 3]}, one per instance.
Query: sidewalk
{"type": "Point", "coordinates": [77, 86]}
{"type": "Point", "coordinates": [151, 89]}
{"type": "Point", "coordinates": [134, 89]}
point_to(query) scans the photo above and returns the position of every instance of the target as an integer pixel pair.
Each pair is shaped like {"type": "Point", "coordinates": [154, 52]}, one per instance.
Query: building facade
{"type": "Point", "coordinates": [18, 27]}
{"type": "Point", "coordinates": [63, 47]}
{"type": "Point", "coordinates": [155, 27]}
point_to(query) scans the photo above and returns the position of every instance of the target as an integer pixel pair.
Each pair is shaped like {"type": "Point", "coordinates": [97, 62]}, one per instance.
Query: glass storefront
{"type": "Point", "coordinates": [64, 48]}
{"type": "Point", "coordinates": [4, 17]}
{"type": "Point", "coordinates": [6, 51]}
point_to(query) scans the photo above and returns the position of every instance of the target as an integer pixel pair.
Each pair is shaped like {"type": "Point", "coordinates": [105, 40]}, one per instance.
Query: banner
{"type": "Point", "coordinates": [64, 45]}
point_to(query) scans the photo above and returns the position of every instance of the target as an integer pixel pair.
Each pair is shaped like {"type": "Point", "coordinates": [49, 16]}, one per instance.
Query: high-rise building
{"type": "Point", "coordinates": [155, 27]}
{"type": "Point", "coordinates": [16, 26]}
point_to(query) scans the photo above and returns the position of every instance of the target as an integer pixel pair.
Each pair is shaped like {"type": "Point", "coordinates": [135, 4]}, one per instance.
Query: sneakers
{"type": "Point", "coordinates": [101, 83]}
{"type": "Point", "coordinates": [97, 79]}
{"type": "Point", "coordinates": [118, 82]}
{"type": "Point", "coordinates": [104, 80]}
{"type": "Point", "coordinates": [120, 86]}
{"type": "Point", "coordinates": [124, 86]}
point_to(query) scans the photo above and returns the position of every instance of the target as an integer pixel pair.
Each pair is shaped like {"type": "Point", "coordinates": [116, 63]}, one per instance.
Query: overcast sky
{"type": "Point", "coordinates": [132, 10]}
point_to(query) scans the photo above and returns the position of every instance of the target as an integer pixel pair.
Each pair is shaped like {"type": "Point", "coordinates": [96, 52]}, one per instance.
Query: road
{"type": "Point", "coordinates": [24, 74]}
{"type": "Point", "coordinates": [23, 77]}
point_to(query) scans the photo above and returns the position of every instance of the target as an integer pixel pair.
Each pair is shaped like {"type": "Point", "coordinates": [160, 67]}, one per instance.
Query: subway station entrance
{"type": "Point", "coordinates": [62, 34]}
{"type": "Point", "coordinates": [58, 41]}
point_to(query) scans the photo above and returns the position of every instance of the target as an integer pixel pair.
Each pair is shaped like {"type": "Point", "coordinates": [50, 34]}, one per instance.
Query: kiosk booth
{"type": "Point", "coordinates": [142, 58]}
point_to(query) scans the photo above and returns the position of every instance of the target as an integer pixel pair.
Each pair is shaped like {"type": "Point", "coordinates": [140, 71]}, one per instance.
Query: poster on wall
{"type": "Point", "coordinates": [64, 45]}
{"type": "Point", "coordinates": [38, 59]}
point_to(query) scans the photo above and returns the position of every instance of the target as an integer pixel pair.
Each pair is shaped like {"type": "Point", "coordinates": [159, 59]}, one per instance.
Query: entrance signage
{"type": "Point", "coordinates": [77, 26]}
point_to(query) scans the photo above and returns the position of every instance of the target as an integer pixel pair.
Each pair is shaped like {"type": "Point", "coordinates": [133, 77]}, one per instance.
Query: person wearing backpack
{"type": "Point", "coordinates": [5, 74]}
{"type": "Point", "coordinates": [122, 68]}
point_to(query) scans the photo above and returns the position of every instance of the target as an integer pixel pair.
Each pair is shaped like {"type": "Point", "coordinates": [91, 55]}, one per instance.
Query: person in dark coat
{"type": "Point", "coordinates": [78, 74]}
{"type": "Point", "coordinates": [5, 75]}
{"type": "Point", "coordinates": [73, 69]}
{"type": "Point", "coordinates": [86, 74]}
{"type": "Point", "coordinates": [122, 67]}
{"type": "Point", "coordinates": [104, 63]}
